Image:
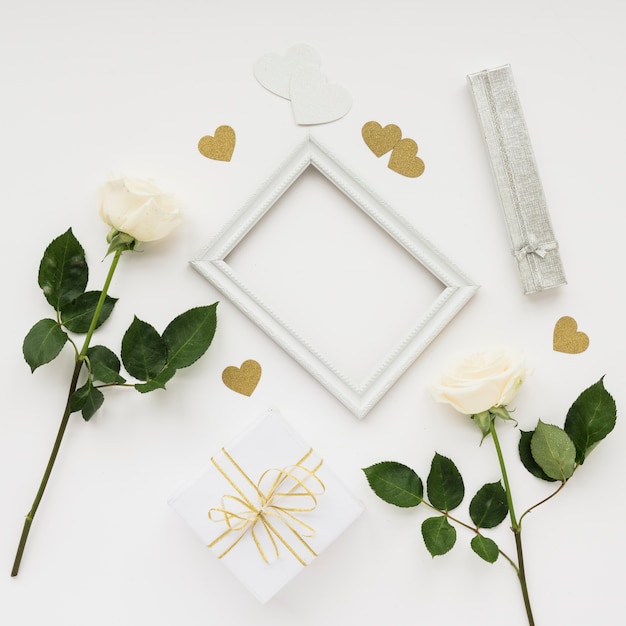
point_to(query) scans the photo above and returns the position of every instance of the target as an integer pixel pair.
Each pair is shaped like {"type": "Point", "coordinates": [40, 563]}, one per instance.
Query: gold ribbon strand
{"type": "Point", "coordinates": [282, 494]}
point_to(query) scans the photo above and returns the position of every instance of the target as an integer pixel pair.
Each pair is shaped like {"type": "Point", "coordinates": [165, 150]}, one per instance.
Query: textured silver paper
{"type": "Point", "coordinates": [519, 187]}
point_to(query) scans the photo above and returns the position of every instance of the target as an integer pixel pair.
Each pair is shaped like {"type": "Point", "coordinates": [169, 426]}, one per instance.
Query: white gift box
{"type": "Point", "coordinates": [267, 505]}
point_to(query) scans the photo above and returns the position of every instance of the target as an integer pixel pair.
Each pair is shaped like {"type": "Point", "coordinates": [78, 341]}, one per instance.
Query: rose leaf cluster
{"type": "Point", "coordinates": [401, 486]}
{"type": "Point", "coordinates": [148, 356]}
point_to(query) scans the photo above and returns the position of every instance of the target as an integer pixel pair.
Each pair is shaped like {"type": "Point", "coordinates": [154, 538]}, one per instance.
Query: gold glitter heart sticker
{"type": "Point", "coordinates": [404, 159]}
{"type": "Point", "coordinates": [380, 140]}
{"type": "Point", "coordinates": [242, 379]}
{"type": "Point", "coordinates": [219, 147]}
{"type": "Point", "coordinates": [567, 338]}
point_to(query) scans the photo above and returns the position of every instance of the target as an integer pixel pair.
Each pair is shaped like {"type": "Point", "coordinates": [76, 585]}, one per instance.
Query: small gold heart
{"type": "Point", "coordinates": [220, 147]}
{"type": "Point", "coordinates": [380, 140]}
{"type": "Point", "coordinates": [567, 337]}
{"type": "Point", "coordinates": [242, 379]}
{"type": "Point", "coordinates": [404, 159]}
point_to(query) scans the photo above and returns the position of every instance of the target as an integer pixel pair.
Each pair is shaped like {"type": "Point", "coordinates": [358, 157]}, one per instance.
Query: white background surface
{"type": "Point", "coordinates": [89, 88]}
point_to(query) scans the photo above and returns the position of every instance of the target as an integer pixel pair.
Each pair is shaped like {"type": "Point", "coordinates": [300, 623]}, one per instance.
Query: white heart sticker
{"type": "Point", "coordinates": [274, 71]}
{"type": "Point", "coordinates": [313, 100]}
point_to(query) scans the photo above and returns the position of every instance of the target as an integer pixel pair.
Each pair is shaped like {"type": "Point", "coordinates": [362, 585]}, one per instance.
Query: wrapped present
{"type": "Point", "coordinates": [531, 235]}
{"type": "Point", "coordinates": [267, 505]}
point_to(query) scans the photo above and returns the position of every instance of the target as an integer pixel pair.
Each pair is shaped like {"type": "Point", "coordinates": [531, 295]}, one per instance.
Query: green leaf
{"type": "Point", "coordinates": [439, 536]}
{"type": "Point", "coordinates": [93, 403]}
{"type": "Point", "coordinates": [553, 450]}
{"type": "Point", "coordinates": [79, 398]}
{"type": "Point", "coordinates": [77, 314]}
{"type": "Point", "coordinates": [444, 484]}
{"type": "Point", "coordinates": [151, 385]}
{"type": "Point", "coordinates": [158, 382]}
{"type": "Point", "coordinates": [590, 419]}
{"type": "Point", "coordinates": [395, 483]}
{"type": "Point", "coordinates": [526, 456]}
{"type": "Point", "coordinates": [86, 399]}
{"type": "Point", "coordinates": [43, 343]}
{"type": "Point", "coordinates": [105, 366]}
{"type": "Point", "coordinates": [485, 548]}
{"type": "Point", "coordinates": [189, 335]}
{"type": "Point", "coordinates": [144, 353]}
{"type": "Point", "coordinates": [489, 507]}
{"type": "Point", "coordinates": [63, 271]}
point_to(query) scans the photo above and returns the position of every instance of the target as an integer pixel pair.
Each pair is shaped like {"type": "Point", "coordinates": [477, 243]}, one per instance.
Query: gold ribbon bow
{"type": "Point", "coordinates": [282, 495]}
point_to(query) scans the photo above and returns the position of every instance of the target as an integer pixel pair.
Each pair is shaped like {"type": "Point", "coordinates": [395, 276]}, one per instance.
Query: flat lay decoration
{"type": "Point", "coordinates": [358, 394]}
{"type": "Point", "coordinates": [530, 230]}
{"type": "Point", "coordinates": [244, 379]}
{"type": "Point", "coordinates": [481, 386]}
{"type": "Point", "coordinates": [381, 140]}
{"type": "Point", "coordinates": [137, 212]}
{"type": "Point", "coordinates": [266, 506]}
{"type": "Point", "coordinates": [230, 405]}
{"type": "Point", "coordinates": [296, 76]}
{"type": "Point", "coordinates": [220, 146]}
{"type": "Point", "coordinates": [567, 338]}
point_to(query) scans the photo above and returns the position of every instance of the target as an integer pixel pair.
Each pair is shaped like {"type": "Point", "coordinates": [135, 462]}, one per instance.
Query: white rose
{"type": "Point", "coordinates": [138, 208]}
{"type": "Point", "coordinates": [481, 381]}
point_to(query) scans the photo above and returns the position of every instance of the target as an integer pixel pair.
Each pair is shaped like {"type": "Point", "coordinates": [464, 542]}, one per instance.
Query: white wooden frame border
{"type": "Point", "coordinates": [359, 398]}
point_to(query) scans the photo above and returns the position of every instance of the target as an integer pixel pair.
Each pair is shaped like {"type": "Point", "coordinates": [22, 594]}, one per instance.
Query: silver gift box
{"type": "Point", "coordinates": [531, 235]}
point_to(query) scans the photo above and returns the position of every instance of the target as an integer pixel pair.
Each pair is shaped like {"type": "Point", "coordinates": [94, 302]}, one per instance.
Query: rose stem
{"type": "Point", "coordinates": [80, 358]}
{"type": "Point", "coordinates": [515, 526]}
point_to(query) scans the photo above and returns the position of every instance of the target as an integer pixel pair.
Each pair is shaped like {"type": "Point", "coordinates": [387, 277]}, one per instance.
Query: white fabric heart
{"type": "Point", "coordinates": [313, 100]}
{"type": "Point", "coordinates": [274, 71]}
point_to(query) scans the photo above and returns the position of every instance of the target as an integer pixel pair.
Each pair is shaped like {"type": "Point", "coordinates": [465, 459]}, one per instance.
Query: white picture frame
{"type": "Point", "coordinates": [359, 396]}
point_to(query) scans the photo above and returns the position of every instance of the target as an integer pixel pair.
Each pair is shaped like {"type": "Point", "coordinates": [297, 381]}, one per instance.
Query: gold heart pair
{"type": "Point", "coordinates": [403, 159]}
